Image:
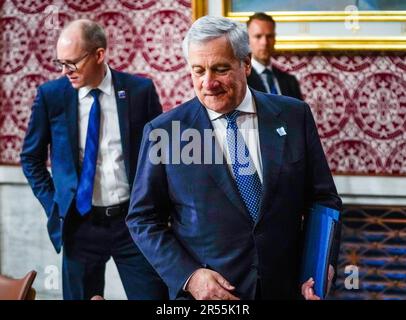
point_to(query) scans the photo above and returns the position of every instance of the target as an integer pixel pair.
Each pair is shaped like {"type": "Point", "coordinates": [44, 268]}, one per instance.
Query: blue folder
{"type": "Point", "coordinates": [320, 229]}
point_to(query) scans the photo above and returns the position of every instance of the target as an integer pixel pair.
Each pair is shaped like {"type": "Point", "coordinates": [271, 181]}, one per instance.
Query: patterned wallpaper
{"type": "Point", "coordinates": [359, 104]}
{"type": "Point", "coordinates": [358, 100]}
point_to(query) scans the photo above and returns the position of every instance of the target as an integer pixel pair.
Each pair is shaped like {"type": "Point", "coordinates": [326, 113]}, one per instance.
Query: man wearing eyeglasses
{"type": "Point", "coordinates": [91, 119]}
{"type": "Point", "coordinates": [264, 76]}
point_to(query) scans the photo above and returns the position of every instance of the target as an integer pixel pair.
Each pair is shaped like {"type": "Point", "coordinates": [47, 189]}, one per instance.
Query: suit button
{"type": "Point", "coordinates": [254, 267]}
{"type": "Point", "coordinates": [61, 219]}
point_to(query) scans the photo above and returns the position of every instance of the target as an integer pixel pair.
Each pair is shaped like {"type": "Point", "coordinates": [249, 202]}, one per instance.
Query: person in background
{"type": "Point", "coordinates": [90, 122]}
{"type": "Point", "coordinates": [265, 77]}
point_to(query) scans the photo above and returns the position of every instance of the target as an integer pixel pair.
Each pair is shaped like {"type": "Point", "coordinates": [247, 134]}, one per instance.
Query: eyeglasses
{"type": "Point", "coordinates": [71, 66]}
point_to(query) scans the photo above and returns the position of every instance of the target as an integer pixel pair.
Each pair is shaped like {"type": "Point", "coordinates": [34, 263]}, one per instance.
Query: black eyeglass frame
{"type": "Point", "coordinates": [70, 65]}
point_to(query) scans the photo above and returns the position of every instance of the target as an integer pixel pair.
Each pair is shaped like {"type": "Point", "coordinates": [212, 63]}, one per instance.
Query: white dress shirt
{"type": "Point", "coordinates": [259, 68]}
{"type": "Point", "coordinates": [110, 184]}
{"type": "Point", "coordinates": [247, 123]}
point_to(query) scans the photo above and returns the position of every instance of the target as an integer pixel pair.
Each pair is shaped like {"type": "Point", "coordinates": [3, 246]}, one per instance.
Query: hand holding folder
{"type": "Point", "coordinates": [320, 230]}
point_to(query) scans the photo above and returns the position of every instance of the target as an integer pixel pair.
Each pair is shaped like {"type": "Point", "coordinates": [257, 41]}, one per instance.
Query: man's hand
{"type": "Point", "coordinates": [307, 287]}
{"type": "Point", "coordinates": [307, 290]}
{"type": "Point", "coordinates": [207, 284]}
{"type": "Point", "coordinates": [330, 278]}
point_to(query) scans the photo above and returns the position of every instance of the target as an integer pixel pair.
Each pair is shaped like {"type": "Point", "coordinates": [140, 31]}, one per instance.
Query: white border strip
{"type": "Point", "coordinates": [352, 189]}
{"type": "Point", "coordinates": [11, 175]}
{"type": "Point", "coordinates": [371, 186]}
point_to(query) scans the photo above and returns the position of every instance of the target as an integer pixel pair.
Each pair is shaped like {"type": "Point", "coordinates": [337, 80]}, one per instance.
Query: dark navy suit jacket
{"type": "Point", "coordinates": [54, 126]}
{"type": "Point", "coordinates": [287, 83]}
{"type": "Point", "coordinates": [209, 225]}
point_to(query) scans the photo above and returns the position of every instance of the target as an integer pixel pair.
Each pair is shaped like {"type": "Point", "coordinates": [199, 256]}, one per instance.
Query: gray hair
{"type": "Point", "coordinates": [208, 28]}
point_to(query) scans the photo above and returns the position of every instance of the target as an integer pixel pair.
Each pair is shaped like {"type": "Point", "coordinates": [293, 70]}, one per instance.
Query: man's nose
{"type": "Point", "coordinates": [263, 41]}
{"type": "Point", "coordinates": [210, 80]}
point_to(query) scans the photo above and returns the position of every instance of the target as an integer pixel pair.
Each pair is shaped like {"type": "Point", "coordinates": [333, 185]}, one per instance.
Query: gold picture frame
{"type": "Point", "coordinates": [199, 9]}
{"type": "Point", "coordinates": [351, 39]}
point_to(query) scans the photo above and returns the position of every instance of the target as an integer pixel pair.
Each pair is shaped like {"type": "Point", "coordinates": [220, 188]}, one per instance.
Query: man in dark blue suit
{"type": "Point", "coordinates": [91, 119]}
{"type": "Point", "coordinates": [224, 180]}
{"type": "Point", "coordinates": [264, 76]}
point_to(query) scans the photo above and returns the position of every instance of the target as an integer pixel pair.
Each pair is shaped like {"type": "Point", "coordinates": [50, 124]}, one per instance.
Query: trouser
{"type": "Point", "coordinates": [90, 241]}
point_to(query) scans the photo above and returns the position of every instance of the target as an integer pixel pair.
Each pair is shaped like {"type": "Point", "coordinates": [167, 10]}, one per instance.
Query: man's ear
{"type": "Point", "coordinates": [247, 64]}
{"type": "Point", "coordinates": [101, 53]}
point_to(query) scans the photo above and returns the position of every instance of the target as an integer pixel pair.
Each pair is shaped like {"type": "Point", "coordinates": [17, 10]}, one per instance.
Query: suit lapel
{"type": "Point", "coordinates": [123, 110]}
{"type": "Point", "coordinates": [256, 81]}
{"type": "Point", "coordinates": [71, 111]}
{"type": "Point", "coordinates": [220, 173]}
{"type": "Point", "coordinates": [272, 145]}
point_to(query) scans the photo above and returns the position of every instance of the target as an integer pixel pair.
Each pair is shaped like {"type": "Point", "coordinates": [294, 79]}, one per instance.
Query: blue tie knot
{"type": "Point", "coordinates": [232, 116]}
{"type": "Point", "coordinates": [95, 93]}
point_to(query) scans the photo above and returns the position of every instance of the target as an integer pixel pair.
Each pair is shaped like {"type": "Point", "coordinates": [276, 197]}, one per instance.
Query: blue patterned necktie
{"type": "Point", "coordinates": [246, 176]}
{"type": "Point", "coordinates": [271, 82]}
{"type": "Point", "coordinates": [85, 189]}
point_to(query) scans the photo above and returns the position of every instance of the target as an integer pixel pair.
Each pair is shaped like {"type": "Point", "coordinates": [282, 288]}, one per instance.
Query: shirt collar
{"type": "Point", "coordinates": [259, 67]}
{"type": "Point", "coordinates": [106, 86]}
{"type": "Point", "coordinates": [246, 106]}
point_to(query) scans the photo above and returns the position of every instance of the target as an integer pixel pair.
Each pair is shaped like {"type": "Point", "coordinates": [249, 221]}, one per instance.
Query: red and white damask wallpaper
{"type": "Point", "coordinates": [359, 104]}
{"type": "Point", "coordinates": [358, 100]}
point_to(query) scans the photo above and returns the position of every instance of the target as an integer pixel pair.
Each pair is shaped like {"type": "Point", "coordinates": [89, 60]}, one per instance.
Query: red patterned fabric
{"type": "Point", "coordinates": [359, 104]}
{"type": "Point", "coordinates": [144, 38]}
{"type": "Point", "coordinates": [358, 100]}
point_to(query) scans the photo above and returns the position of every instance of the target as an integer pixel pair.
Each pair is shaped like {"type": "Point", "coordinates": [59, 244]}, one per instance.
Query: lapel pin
{"type": "Point", "coordinates": [121, 94]}
{"type": "Point", "coordinates": [281, 131]}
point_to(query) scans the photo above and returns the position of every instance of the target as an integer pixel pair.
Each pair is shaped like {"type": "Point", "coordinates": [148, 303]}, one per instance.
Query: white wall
{"type": "Point", "coordinates": [24, 242]}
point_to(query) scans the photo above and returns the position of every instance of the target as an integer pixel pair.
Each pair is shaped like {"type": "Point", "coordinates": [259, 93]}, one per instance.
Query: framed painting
{"type": "Point", "coordinates": [328, 24]}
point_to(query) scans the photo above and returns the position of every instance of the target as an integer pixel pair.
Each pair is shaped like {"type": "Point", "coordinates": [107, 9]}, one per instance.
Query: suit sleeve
{"type": "Point", "coordinates": [34, 153]}
{"type": "Point", "coordinates": [321, 187]}
{"type": "Point", "coordinates": [148, 221]}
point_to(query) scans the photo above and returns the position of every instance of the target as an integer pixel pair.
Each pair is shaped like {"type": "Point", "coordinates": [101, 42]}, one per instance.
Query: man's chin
{"type": "Point", "coordinates": [76, 85]}
{"type": "Point", "coordinates": [264, 59]}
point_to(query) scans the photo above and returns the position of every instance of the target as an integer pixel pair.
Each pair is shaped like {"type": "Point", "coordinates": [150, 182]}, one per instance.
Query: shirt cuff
{"type": "Point", "coordinates": [187, 281]}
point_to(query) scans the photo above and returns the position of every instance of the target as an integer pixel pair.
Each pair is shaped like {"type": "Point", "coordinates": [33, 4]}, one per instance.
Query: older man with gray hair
{"type": "Point", "coordinates": [233, 233]}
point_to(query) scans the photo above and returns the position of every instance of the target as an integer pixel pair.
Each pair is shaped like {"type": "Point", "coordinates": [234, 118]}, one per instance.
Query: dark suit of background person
{"type": "Point", "coordinates": [261, 31]}
{"type": "Point", "coordinates": [288, 84]}
{"type": "Point", "coordinates": [210, 225]}
{"type": "Point", "coordinates": [90, 240]}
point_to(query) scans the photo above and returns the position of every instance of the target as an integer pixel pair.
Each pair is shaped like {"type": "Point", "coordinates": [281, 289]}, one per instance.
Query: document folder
{"type": "Point", "coordinates": [320, 229]}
